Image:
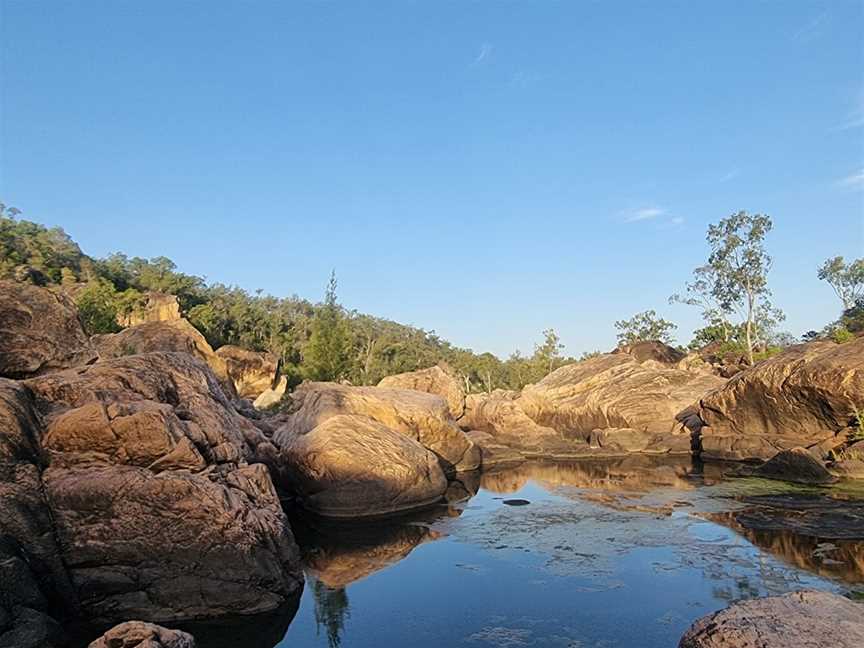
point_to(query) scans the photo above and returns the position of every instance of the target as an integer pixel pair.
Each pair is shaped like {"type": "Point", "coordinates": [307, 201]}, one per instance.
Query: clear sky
{"type": "Point", "coordinates": [484, 169]}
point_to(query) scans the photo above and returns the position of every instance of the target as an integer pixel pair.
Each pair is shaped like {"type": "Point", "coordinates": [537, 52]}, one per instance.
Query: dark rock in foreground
{"type": "Point", "coordinates": [796, 465]}
{"type": "Point", "coordinates": [138, 634]}
{"type": "Point", "coordinates": [805, 619]}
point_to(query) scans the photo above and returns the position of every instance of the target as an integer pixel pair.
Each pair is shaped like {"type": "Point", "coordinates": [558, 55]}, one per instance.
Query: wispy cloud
{"type": "Point", "coordinates": [854, 181]}
{"type": "Point", "coordinates": [813, 28]}
{"type": "Point", "coordinates": [731, 175]}
{"type": "Point", "coordinates": [485, 53]}
{"type": "Point", "coordinates": [642, 214]}
{"type": "Point", "coordinates": [677, 220]}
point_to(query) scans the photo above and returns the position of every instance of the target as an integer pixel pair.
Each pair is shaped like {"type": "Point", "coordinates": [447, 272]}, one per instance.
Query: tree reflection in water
{"type": "Point", "coordinates": [331, 611]}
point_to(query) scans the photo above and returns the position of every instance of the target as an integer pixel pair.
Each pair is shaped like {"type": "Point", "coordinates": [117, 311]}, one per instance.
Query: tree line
{"type": "Point", "coordinates": [325, 341]}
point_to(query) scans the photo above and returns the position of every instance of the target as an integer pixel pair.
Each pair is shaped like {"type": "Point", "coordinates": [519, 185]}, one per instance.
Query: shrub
{"type": "Point", "coordinates": [842, 335]}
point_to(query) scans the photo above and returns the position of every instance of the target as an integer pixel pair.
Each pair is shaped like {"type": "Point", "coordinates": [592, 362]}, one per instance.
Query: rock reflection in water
{"type": "Point", "coordinates": [815, 533]}
{"type": "Point", "coordinates": [339, 553]}
{"type": "Point", "coordinates": [331, 611]}
{"type": "Point", "coordinates": [635, 473]}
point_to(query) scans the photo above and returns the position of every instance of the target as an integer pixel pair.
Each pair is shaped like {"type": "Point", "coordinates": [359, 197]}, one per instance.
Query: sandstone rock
{"type": "Point", "coordinates": [612, 404]}
{"type": "Point", "coordinates": [35, 592]}
{"type": "Point", "coordinates": [424, 418]}
{"type": "Point", "coordinates": [153, 502]}
{"type": "Point", "coordinates": [138, 634]}
{"type": "Point", "coordinates": [273, 396]}
{"type": "Point", "coordinates": [652, 350]}
{"type": "Point", "coordinates": [354, 466]}
{"type": "Point", "coordinates": [39, 332]}
{"type": "Point", "coordinates": [801, 397]}
{"type": "Point", "coordinates": [849, 468]}
{"type": "Point", "coordinates": [253, 372]}
{"type": "Point", "coordinates": [157, 307]}
{"type": "Point", "coordinates": [805, 619]}
{"type": "Point", "coordinates": [178, 335]}
{"type": "Point", "coordinates": [434, 380]}
{"type": "Point", "coordinates": [494, 453]}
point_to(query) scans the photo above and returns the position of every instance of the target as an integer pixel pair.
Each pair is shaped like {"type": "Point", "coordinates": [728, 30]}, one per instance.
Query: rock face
{"type": "Point", "coordinates": [434, 380]}
{"type": "Point", "coordinates": [612, 404]}
{"type": "Point", "coordinates": [353, 466]}
{"type": "Point", "coordinates": [178, 335]}
{"type": "Point", "coordinates": [141, 469]}
{"type": "Point", "coordinates": [425, 418]}
{"type": "Point", "coordinates": [158, 307]}
{"type": "Point", "coordinates": [803, 619]}
{"type": "Point", "coordinates": [804, 396]}
{"type": "Point", "coordinates": [138, 634]}
{"type": "Point", "coordinates": [39, 332]}
{"type": "Point", "coordinates": [253, 372]}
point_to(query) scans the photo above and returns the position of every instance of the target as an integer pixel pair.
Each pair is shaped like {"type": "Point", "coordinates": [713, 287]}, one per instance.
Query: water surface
{"type": "Point", "coordinates": [615, 553]}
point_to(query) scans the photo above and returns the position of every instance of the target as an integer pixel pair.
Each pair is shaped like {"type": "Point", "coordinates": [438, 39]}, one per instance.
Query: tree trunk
{"type": "Point", "coordinates": [748, 330]}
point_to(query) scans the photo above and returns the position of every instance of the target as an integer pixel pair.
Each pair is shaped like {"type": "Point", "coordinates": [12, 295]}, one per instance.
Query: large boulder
{"type": "Point", "coordinates": [434, 380]}
{"type": "Point", "coordinates": [253, 372]}
{"type": "Point", "coordinates": [138, 634]}
{"type": "Point", "coordinates": [156, 307]}
{"type": "Point", "coordinates": [612, 404]}
{"type": "Point", "coordinates": [796, 465]}
{"type": "Point", "coordinates": [805, 619]}
{"type": "Point", "coordinates": [176, 335]}
{"type": "Point", "coordinates": [425, 418]}
{"type": "Point", "coordinates": [152, 498]}
{"type": "Point", "coordinates": [353, 466]}
{"type": "Point", "coordinates": [805, 396]}
{"type": "Point", "coordinates": [39, 332]}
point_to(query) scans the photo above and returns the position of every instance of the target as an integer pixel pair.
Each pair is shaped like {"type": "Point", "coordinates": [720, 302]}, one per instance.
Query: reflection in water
{"type": "Point", "coordinates": [331, 611]}
{"type": "Point", "coordinates": [337, 553]}
{"type": "Point", "coordinates": [257, 631]}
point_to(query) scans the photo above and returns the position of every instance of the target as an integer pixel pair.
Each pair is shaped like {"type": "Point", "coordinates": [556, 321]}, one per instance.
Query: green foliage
{"type": "Point", "coordinates": [847, 280]}
{"type": "Point", "coordinates": [34, 253]}
{"type": "Point", "coordinates": [643, 327]}
{"type": "Point", "coordinates": [97, 307]}
{"type": "Point", "coordinates": [842, 335]}
{"type": "Point", "coordinates": [327, 354]}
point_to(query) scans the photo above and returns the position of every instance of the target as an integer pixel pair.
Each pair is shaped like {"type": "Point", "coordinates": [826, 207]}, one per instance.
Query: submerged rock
{"type": "Point", "coordinates": [805, 396]}
{"type": "Point", "coordinates": [796, 465]}
{"type": "Point", "coordinates": [353, 466]}
{"type": "Point", "coordinates": [805, 619]}
{"type": "Point", "coordinates": [434, 380]}
{"type": "Point", "coordinates": [39, 332]}
{"type": "Point", "coordinates": [138, 634]}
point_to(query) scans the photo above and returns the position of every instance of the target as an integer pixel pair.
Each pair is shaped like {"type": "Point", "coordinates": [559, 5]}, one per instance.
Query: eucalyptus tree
{"type": "Point", "coordinates": [847, 279]}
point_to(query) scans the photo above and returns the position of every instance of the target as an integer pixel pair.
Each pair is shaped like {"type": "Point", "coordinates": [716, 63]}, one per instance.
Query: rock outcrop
{"type": "Point", "coordinates": [353, 466]}
{"type": "Point", "coordinates": [796, 465]}
{"type": "Point", "coordinates": [138, 634]}
{"type": "Point", "coordinates": [177, 335]}
{"type": "Point", "coordinates": [434, 380]}
{"type": "Point", "coordinates": [611, 404]}
{"type": "Point", "coordinates": [141, 471]}
{"type": "Point", "coordinates": [253, 372]}
{"type": "Point", "coordinates": [805, 619]}
{"type": "Point", "coordinates": [425, 418]}
{"type": "Point", "coordinates": [39, 332]}
{"type": "Point", "coordinates": [805, 396]}
{"type": "Point", "coordinates": [156, 307]}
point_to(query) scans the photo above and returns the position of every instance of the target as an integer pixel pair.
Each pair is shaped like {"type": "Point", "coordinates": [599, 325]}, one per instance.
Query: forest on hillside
{"type": "Point", "coordinates": [325, 341]}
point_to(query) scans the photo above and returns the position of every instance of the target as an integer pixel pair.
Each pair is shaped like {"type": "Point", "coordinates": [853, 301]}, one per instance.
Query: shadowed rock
{"type": "Point", "coordinates": [804, 396]}
{"type": "Point", "coordinates": [803, 619]}
{"type": "Point", "coordinates": [39, 332]}
{"type": "Point", "coordinates": [434, 380]}
{"type": "Point", "coordinates": [796, 465]}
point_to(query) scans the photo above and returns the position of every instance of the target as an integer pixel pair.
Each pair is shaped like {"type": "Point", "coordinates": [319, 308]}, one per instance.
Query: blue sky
{"type": "Point", "coordinates": [486, 170]}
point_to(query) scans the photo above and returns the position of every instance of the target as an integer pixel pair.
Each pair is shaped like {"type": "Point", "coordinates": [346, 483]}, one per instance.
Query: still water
{"type": "Point", "coordinates": [622, 553]}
